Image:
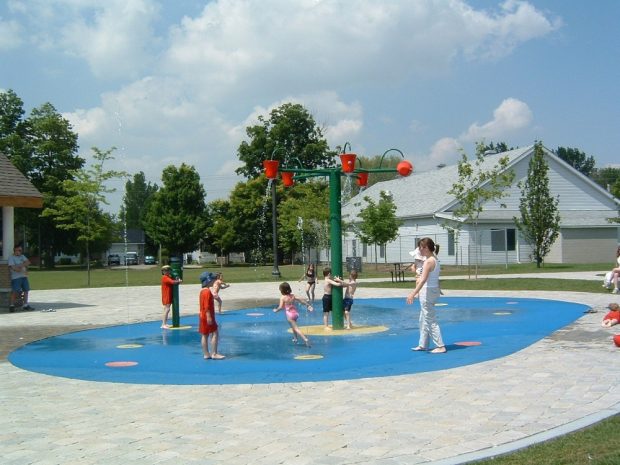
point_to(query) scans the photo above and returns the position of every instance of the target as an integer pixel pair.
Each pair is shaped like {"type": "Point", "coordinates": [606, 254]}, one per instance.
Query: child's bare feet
{"type": "Point", "coordinates": [217, 356]}
{"type": "Point", "coordinates": [206, 356]}
{"type": "Point", "coordinates": [165, 326]}
{"type": "Point", "coordinates": [307, 342]}
{"type": "Point", "coordinates": [327, 328]}
{"type": "Point", "coordinates": [418, 348]}
{"type": "Point", "coordinates": [294, 340]}
{"type": "Point", "coordinates": [439, 350]}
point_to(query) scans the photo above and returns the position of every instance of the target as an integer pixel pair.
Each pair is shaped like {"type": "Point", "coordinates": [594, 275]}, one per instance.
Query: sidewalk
{"type": "Point", "coordinates": [564, 382]}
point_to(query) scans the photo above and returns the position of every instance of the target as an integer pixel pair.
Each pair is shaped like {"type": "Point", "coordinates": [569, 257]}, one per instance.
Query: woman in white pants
{"type": "Point", "coordinates": [427, 287]}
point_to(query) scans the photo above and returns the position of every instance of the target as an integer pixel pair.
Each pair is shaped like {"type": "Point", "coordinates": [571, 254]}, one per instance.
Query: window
{"type": "Point", "coordinates": [364, 250]}
{"type": "Point", "coordinates": [382, 251]}
{"type": "Point", "coordinates": [503, 240]}
{"type": "Point", "coordinates": [511, 236]}
{"type": "Point", "coordinates": [450, 242]}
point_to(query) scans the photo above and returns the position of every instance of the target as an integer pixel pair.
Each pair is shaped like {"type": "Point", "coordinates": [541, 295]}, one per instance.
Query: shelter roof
{"type": "Point", "coordinates": [15, 189]}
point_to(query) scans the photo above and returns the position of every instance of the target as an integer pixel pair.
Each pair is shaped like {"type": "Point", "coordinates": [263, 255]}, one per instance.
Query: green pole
{"type": "Point", "coordinates": [335, 234]}
{"type": "Point", "coordinates": [176, 263]}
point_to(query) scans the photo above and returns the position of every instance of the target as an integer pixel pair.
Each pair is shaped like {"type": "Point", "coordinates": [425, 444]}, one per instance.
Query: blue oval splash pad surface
{"type": "Point", "coordinates": [259, 349]}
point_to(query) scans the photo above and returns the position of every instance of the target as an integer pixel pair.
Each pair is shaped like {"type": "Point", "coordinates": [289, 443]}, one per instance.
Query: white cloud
{"type": "Point", "coordinates": [116, 41]}
{"type": "Point", "coordinates": [10, 34]}
{"type": "Point", "coordinates": [444, 151]}
{"type": "Point", "coordinates": [510, 117]}
{"type": "Point", "coordinates": [193, 92]}
{"type": "Point", "coordinates": [303, 46]}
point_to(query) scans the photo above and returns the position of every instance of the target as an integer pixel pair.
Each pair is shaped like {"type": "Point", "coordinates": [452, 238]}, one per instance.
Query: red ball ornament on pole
{"type": "Point", "coordinates": [404, 168]}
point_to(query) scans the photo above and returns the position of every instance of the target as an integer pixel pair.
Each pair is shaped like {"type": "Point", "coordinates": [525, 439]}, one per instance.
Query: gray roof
{"type": "Point", "coordinates": [568, 218]}
{"type": "Point", "coordinates": [15, 189]}
{"type": "Point", "coordinates": [426, 193]}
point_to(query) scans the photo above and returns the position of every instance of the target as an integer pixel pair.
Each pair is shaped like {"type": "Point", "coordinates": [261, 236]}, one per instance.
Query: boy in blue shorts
{"type": "Point", "coordinates": [348, 298]}
{"type": "Point", "coordinates": [18, 265]}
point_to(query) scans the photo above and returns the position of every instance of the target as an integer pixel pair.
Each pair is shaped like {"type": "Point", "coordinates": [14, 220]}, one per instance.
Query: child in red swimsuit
{"type": "Point", "coordinates": [287, 302]}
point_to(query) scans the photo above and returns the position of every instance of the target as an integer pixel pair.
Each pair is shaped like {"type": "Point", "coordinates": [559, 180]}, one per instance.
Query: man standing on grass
{"type": "Point", "coordinates": [18, 264]}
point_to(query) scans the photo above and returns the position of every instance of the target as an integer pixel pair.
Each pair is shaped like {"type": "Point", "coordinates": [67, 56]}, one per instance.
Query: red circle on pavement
{"type": "Point", "coordinates": [120, 364]}
{"type": "Point", "coordinates": [468, 343]}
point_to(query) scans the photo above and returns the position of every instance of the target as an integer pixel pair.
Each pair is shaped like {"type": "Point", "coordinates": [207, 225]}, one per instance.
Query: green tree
{"type": "Point", "coordinates": [379, 224]}
{"type": "Point", "coordinates": [44, 148]}
{"type": "Point", "coordinates": [289, 135]}
{"type": "Point", "coordinates": [476, 186]}
{"type": "Point", "coordinates": [375, 162]}
{"type": "Point", "coordinates": [138, 195]}
{"type": "Point", "coordinates": [220, 238]}
{"type": "Point", "coordinates": [608, 178]}
{"type": "Point", "coordinates": [13, 135]}
{"type": "Point", "coordinates": [577, 159]}
{"type": "Point", "coordinates": [176, 217]}
{"type": "Point", "coordinates": [250, 216]}
{"type": "Point", "coordinates": [499, 147]}
{"type": "Point", "coordinates": [303, 217]}
{"type": "Point", "coordinates": [540, 218]}
{"type": "Point", "coordinates": [80, 210]}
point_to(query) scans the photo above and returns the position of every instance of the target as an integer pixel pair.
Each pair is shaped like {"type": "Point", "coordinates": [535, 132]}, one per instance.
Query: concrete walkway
{"type": "Point", "coordinates": [564, 382]}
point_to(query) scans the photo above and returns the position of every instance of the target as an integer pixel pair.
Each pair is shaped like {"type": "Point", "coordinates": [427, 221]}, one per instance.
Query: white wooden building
{"type": "Point", "coordinates": [423, 204]}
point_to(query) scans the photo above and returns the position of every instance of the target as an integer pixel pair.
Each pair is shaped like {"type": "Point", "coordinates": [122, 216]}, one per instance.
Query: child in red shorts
{"type": "Point", "coordinates": [167, 284]}
{"type": "Point", "coordinates": [207, 325]}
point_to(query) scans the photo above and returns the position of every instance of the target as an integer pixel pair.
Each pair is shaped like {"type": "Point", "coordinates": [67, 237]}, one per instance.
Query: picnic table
{"type": "Point", "coordinates": [398, 271]}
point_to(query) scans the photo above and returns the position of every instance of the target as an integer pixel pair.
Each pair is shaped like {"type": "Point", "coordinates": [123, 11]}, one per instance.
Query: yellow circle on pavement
{"type": "Point", "coordinates": [309, 357]}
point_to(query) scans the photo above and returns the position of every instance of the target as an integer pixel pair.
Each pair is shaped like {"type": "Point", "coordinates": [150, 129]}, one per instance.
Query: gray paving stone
{"type": "Point", "coordinates": [438, 417]}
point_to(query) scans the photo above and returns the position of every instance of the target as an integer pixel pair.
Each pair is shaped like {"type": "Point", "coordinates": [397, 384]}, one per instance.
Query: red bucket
{"type": "Point", "coordinates": [287, 178]}
{"type": "Point", "coordinates": [348, 162]}
{"type": "Point", "coordinates": [362, 179]}
{"type": "Point", "coordinates": [271, 168]}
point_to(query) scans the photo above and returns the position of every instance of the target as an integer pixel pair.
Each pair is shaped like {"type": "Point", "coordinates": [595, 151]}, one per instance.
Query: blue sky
{"type": "Point", "coordinates": [172, 81]}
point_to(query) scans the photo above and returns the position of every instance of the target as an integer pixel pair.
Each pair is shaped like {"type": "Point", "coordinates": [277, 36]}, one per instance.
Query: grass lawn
{"type": "Point", "coordinates": [73, 277]}
{"type": "Point", "coordinates": [596, 445]}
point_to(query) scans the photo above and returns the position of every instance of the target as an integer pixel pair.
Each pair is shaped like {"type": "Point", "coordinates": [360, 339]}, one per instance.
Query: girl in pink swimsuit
{"type": "Point", "coordinates": [287, 302]}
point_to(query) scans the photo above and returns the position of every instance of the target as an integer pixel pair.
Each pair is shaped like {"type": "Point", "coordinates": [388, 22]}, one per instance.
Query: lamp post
{"type": "Point", "coordinates": [274, 224]}
{"type": "Point", "coordinates": [347, 168]}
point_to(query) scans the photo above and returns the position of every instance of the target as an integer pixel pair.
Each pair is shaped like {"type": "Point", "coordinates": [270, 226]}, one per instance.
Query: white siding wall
{"type": "Point", "coordinates": [592, 245]}
{"type": "Point", "coordinates": [575, 192]}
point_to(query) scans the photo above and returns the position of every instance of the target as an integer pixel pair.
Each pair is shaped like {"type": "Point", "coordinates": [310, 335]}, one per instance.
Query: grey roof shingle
{"type": "Point", "coordinates": [425, 193]}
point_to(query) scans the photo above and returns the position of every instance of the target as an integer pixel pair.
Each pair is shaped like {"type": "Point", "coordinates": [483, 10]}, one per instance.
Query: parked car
{"type": "Point", "coordinates": [131, 258]}
{"type": "Point", "coordinates": [150, 260]}
{"type": "Point", "coordinates": [114, 260]}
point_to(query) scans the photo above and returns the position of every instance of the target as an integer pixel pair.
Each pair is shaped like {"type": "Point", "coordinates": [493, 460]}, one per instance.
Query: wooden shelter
{"type": "Point", "coordinates": [16, 191]}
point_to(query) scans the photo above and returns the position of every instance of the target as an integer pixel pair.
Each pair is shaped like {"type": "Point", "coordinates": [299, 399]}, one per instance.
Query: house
{"type": "Point", "coordinates": [424, 205]}
{"type": "Point", "coordinates": [134, 241]}
{"type": "Point", "coordinates": [16, 191]}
